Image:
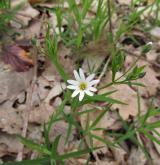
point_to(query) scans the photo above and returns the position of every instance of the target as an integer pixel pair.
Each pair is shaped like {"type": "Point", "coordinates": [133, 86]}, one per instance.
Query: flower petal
{"type": "Point", "coordinates": [81, 95]}
{"type": "Point", "coordinates": [75, 93]}
{"type": "Point", "coordinates": [89, 93]}
{"type": "Point", "coordinates": [76, 75]}
{"type": "Point", "coordinates": [73, 82]}
{"type": "Point", "coordinates": [93, 89]}
{"type": "Point", "coordinates": [90, 77]}
{"type": "Point", "coordinates": [81, 73]}
{"type": "Point", "coordinates": [72, 87]}
{"type": "Point", "coordinates": [93, 82]}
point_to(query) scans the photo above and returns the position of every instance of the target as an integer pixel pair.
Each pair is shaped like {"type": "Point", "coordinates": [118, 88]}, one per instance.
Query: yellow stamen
{"type": "Point", "coordinates": [83, 86]}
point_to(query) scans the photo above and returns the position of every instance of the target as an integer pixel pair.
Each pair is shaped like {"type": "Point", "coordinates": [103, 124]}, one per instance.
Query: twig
{"type": "Point", "coordinates": [29, 104]}
{"type": "Point", "coordinates": [104, 70]}
{"type": "Point", "coordinates": [141, 57]}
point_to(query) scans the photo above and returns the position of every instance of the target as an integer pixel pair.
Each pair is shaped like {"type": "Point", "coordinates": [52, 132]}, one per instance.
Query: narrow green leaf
{"type": "Point", "coordinates": [101, 98]}
{"type": "Point", "coordinates": [151, 137]}
{"type": "Point", "coordinates": [55, 146]}
{"type": "Point", "coordinates": [35, 146]}
{"type": "Point", "coordinates": [105, 141]}
{"type": "Point", "coordinates": [76, 153]}
{"type": "Point", "coordinates": [98, 118]}
{"type": "Point", "coordinates": [41, 161]}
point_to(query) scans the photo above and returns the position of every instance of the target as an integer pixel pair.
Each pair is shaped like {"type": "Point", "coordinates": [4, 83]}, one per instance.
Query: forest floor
{"type": "Point", "coordinates": [31, 89]}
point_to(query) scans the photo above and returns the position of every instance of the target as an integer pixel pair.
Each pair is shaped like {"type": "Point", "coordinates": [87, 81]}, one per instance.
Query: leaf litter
{"type": "Point", "coordinates": [48, 94]}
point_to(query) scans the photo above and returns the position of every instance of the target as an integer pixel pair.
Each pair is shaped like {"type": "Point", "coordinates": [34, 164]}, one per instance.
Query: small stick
{"type": "Point", "coordinates": [141, 57]}
{"type": "Point", "coordinates": [29, 104]}
{"type": "Point", "coordinates": [104, 69]}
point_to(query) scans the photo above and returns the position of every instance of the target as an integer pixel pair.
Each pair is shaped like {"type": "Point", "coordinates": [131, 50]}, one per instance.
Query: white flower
{"type": "Point", "coordinates": [82, 85]}
{"type": "Point", "coordinates": [150, 43]}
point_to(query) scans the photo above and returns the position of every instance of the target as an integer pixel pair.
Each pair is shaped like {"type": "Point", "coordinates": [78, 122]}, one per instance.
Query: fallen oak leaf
{"type": "Point", "coordinates": [17, 57]}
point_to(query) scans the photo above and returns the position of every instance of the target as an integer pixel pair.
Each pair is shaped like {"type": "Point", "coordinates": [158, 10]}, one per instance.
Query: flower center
{"type": "Point", "coordinates": [83, 86]}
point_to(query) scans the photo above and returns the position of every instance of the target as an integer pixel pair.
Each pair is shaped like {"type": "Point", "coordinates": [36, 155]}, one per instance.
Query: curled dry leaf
{"type": "Point", "coordinates": [17, 57]}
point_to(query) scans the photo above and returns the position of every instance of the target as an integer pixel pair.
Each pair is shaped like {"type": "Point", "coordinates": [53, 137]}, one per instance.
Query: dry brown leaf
{"type": "Point", "coordinates": [44, 87]}
{"type": "Point", "coordinates": [11, 120]}
{"type": "Point", "coordinates": [9, 144]}
{"type": "Point", "coordinates": [155, 32]}
{"type": "Point", "coordinates": [65, 58]}
{"type": "Point", "coordinates": [136, 157]}
{"type": "Point", "coordinates": [17, 57]}
{"type": "Point", "coordinates": [41, 113]}
{"type": "Point", "coordinates": [93, 57]}
{"type": "Point", "coordinates": [119, 155]}
{"type": "Point", "coordinates": [107, 121]}
{"type": "Point", "coordinates": [33, 30]}
{"type": "Point", "coordinates": [13, 83]}
{"type": "Point", "coordinates": [61, 128]}
{"type": "Point", "coordinates": [93, 62]}
{"type": "Point", "coordinates": [157, 146]}
{"type": "Point", "coordinates": [35, 132]}
{"type": "Point", "coordinates": [125, 94]}
{"type": "Point", "coordinates": [124, 2]}
{"type": "Point", "coordinates": [26, 14]}
{"type": "Point", "coordinates": [91, 48]}
{"type": "Point", "coordinates": [155, 158]}
{"type": "Point", "coordinates": [55, 91]}
{"type": "Point", "coordinates": [152, 55]}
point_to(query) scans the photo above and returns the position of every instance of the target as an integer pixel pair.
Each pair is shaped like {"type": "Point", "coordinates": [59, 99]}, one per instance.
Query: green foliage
{"type": "Point", "coordinates": [91, 29]}
{"type": "Point", "coordinates": [51, 49]}
{"type": "Point", "coordinates": [117, 63]}
{"type": "Point", "coordinates": [5, 4]}
{"type": "Point", "coordinates": [136, 73]}
{"type": "Point", "coordinates": [7, 14]}
{"type": "Point", "coordinates": [80, 26]}
{"type": "Point", "coordinates": [139, 126]}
